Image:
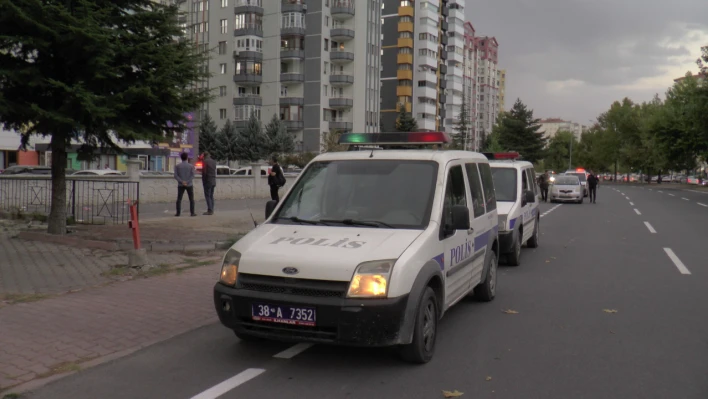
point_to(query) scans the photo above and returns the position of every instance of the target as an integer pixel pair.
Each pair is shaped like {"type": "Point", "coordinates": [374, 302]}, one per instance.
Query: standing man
{"type": "Point", "coordinates": [543, 183]}
{"type": "Point", "coordinates": [276, 179]}
{"type": "Point", "coordinates": [209, 181]}
{"type": "Point", "coordinates": [184, 174]}
{"type": "Point", "coordinates": [593, 182]}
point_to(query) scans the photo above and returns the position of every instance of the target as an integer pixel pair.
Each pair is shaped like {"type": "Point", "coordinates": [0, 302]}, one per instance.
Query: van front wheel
{"type": "Point", "coordinates": [425, 330]}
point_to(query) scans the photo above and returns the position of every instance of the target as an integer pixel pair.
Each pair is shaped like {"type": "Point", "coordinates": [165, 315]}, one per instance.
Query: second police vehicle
{"type": "Point", "coordinates": [517, 204]}
{"type": "Point", "coordinates": [368, 248]}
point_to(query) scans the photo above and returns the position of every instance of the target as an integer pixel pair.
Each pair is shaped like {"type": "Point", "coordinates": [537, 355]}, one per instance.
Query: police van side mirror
{"type": "Point", "coordinates": [530, 197]}
{"type": "Point", "coordinates": [270, 206]}
{"type": "Point", "coordinates": [460, 217]}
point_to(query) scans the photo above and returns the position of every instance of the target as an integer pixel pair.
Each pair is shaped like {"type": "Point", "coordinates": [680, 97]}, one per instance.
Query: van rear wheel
{"type": "Point", "coordinates": [487, 290]}
{"type": "Point", "coordinates": [425, 330]}
{"type": "Point", "coordinates": [514, 258]}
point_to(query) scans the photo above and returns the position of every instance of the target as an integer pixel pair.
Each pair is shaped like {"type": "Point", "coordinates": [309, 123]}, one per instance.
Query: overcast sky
{"type": "Point", "coordinates": [572, 58]}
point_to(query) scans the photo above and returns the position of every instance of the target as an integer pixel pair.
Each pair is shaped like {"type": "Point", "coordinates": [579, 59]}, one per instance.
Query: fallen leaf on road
{"type": "Point", "coordinates": [452, 394]}
{"type": "Point", "coordinates": [509, 311]}
{"type": "Point", "coordinates": [609, 310]}
{"type": "Point", "coordinates": [488, 379]}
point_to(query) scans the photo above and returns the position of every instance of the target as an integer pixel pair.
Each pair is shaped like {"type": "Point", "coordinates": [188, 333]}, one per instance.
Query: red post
{"type": "Point", "coordinates": [133, 224]}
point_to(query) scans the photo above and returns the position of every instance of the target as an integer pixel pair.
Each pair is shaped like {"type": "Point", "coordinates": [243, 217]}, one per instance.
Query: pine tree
{"type": "Point", "coordinates": [208, 134]}
{"type": "Point", "coordinates": [226, 143]}
{"type": "Point", "coordinates": [251, 142]}
{"type": "Point", "coordinates": [280, 141]}
{"type": "Point", "coordinates": [518, 131]}
{"type": "Point", "coordinates": [405, 121]}
{"type": "Point", "coordinates": [462, 127]}
{"type": "Point", "coordinates": [94, 71]}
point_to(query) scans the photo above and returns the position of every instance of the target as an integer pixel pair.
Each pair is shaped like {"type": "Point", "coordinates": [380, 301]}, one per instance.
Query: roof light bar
{"type": "Point", "coordinates": [399, 138]}
{"type": "Point", "coordinates": [502, 155]}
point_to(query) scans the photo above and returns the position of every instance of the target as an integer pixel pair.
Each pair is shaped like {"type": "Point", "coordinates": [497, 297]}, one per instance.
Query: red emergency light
{"type": "Point", "coordinates": [580, 170]}
{"type": "Point", "coordinates": [198, 165]}
{"type": "Point", "coordinates": [397, 138]}
{"type": "Point", "coordinates": [502, 155]}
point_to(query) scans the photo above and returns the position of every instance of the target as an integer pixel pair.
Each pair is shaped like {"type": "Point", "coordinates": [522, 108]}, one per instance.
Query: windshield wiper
{"type": "Point", "coordinates": [302, 221]}
{"type": "Point", "coordinates": [353, 222]}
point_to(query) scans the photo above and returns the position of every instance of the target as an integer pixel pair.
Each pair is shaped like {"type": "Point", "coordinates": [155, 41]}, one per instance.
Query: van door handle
{"type": "Point", "coordinates": [470, 231]}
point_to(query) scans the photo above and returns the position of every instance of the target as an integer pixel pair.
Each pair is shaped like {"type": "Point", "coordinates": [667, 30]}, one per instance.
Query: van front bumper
{"type": "Point", "coordinates": [342, 321]}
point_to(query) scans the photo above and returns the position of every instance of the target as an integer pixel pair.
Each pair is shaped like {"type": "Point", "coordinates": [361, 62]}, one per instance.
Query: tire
{"type": "Point", "coordinates": [533, 241]}
{"type": "Point", "coordinates": [425, 330]}
{"type": "Point", "coordinates": [581, 200]}
{"type": "Point", "coordinates": [514, 258]}
{"type": "Point", "coordinates": [486, 291]}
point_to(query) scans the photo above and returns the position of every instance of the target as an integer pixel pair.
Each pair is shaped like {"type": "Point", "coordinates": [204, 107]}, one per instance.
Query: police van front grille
{"type": "Point", "coordinates": [292, 286]}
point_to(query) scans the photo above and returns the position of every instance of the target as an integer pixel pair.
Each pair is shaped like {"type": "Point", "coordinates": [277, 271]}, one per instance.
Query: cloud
{"type": "Point", "coordinates": [573, 58]}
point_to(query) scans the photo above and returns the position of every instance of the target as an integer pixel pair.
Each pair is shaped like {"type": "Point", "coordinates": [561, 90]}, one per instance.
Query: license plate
{"type": "Point", "coordinates": [565, 196]}
{"type": "Point", "coordinates": [284, 314]}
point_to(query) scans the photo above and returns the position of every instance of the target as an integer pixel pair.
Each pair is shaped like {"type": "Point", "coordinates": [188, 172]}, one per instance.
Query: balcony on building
{"type": "Point", "coordinates": [288, 101]}
{"type": "Point", "coordinates": [443, 55]}
{"type": "Point", "coordinates": [341, 123]}
{"type": "Point", "coordinates": [249, 6]}
{"type": "Point", "coordinates": [292, 6]}
{"type": "Point", "coordinates": [293, 125]}
{"type": "Point", "coordinates": [292, 71]}
{"type": "Point", "coordinates": [442, 99]}
{"type": "Point", "coordinates": [341, 78]}
{"type": "Point", "coordinates": [341, 101]}
{"type": "Point", "coordinates": [248, 73]}
{"type": "Point", "coordinates": [340, 55]}
{"type": "Point", "coordinates": [292, 77]}
{"type": "Point", "coordinates": [248, 53]}
{"type": "Point", "coordinates": [248, 99]}
{"type": "Point", "coordinates": [444, 11]}
{"type": "Point", "coordinates": [292, 47]}
{"type": "Point", "coordinates": [341, 34]}
{"type": "Point", "coordinates": [292, 24]}
{"type": "Point", "coordinates": [342, 9]}
{"type": "Point", "coordinates": [444, 40]}
{"type": "Point", "coordinates": [444, 26]}
{"type": "Point", "coordinates": [249, 29]}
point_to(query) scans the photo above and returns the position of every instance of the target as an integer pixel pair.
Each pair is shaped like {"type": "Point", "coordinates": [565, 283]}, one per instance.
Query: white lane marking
{"type": "Point", "coordinates": [631, 203]}
{"type": "Point", "coordinates": [651, 189]}
{"type": "Point", "coordinates": [293, 351]}
{"type": "Point", "coordinates": [550, 210]}
{"type": "Point", "coordinates": [677, 262]}
{"type": "Point", "coordinates": [696, 191]}
{"type": "Point", "coordinates": [702, 204]}
{"type": "Point", "coordinates": [685, 199]}
{"type": "Point", "coordinates": [220, 389]}
{"type": "Point", "coordinates": [660, 191]}
{"type": "Point", "coordinates": [637, 210]}
{"type": "Point", "coordinates": [651, 229]}
{"type": "Point", "coordinates": [671, 195]}
{"type": "Point", "coordinates": [627, 197]}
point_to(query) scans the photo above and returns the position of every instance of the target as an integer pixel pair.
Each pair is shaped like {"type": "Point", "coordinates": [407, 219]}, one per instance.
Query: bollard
{"type": "Point", "coordinates": [138, 256]}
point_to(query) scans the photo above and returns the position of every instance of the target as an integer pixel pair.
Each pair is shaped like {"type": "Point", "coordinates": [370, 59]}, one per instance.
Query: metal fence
{"type": "Point", "coordinates": [89, 201]}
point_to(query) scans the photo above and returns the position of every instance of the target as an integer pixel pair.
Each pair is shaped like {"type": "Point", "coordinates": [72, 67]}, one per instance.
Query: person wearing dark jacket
{"type": "Point", "coordinates": [184, 174]}
{"type": "Point", "coordinates": [276, 179]}
{"type": "Point", "coordinates": [209, 182]}
{"type": "Point", "coordinates": [543, 184]}
{"type": "Point", "coordinates": [593, 182]}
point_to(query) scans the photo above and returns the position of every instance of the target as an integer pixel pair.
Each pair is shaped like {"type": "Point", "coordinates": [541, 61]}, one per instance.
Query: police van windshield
{"type": "Point", "coordinates": [375, 193]}
{"type": "Point", "coordinates": [504, 183]}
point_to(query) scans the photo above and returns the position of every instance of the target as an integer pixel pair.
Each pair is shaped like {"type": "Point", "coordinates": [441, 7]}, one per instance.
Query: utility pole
{"type": "Point", "coordinates": [570, 155]}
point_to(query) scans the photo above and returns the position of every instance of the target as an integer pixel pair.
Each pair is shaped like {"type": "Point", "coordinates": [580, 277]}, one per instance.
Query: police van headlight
{"type": "Point", "coordinates": [229, 268]}
{"type": "Point", "coordinates": [371, 279]}
{"type": "Point", "coordinates": [502, 223]}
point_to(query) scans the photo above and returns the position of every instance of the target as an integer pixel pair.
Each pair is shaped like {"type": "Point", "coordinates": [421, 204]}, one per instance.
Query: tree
{"type": "Point", "coordinates": [251, 142]}
{"type": "Point", "coordinates": [94, 70]}
{"type": "Point", "coordinates": [518, 131]}
{"type": "Point", "coordinates": [208, 133]}
{"type": "Point", "coordinates": [226, 143]}
{"type": "Point", "coordinates": [492, 143]}
{"type": "Point", "coordinates": [462, 127]}
{"type": "Point", "coordinates": [558, 153]}
{"type": "Point", "coordinates": [330, 142]}
{"type": "Point", "coordinates": [405, 121]}
{"type": "Point", "coordinates": [279, 140]}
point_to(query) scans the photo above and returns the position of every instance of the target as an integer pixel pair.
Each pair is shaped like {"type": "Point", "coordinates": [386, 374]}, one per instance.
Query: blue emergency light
{"type": "Point", "coordinates": [397, 138]}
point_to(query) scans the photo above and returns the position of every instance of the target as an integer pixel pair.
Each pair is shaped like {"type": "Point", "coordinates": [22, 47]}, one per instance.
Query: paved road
{"type": "Point", "coordinates": [566, 341]}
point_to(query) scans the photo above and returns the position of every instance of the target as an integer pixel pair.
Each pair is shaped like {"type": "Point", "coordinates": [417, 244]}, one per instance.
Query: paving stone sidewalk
{"type": "Point", "coordinates": [60, 334]}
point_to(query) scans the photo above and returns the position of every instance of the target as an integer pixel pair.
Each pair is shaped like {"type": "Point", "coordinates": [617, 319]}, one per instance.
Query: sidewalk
{"type": "Point", "coordinates": [78, 330]}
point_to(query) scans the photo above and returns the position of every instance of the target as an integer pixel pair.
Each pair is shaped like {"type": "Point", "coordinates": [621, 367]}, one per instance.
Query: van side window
{"type": "Point", "coordinates": [532, 180]}
{"type": "Point", "coordinates": [524, 182]}
{"type": "Point", "coordinates": [488, 185]}
{"type": "Point", "coordinates": [476, 188]}
{"type": "Point", "coordinates": [454, 194]}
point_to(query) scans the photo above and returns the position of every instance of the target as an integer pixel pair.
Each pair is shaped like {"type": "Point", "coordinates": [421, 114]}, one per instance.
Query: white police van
{"type": "Point", "coordinates": [367, 248]}
{"type": "Point", "coordinates": [517, 204]}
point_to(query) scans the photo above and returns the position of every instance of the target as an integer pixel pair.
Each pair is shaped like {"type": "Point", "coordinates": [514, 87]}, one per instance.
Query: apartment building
{"type": "Point", "coordinates": [487, 85]}
{"type": "Point", "coordinates": [472, 141]}
{"type": "Point", "coordinates": [313, 63]}
{"type": "Point", "coordinates": [456, 66]}
{"type": "Point", "coordinates": [414, 57]}
{"type": "Point", "coordinates": [501, 78]}
{"type": "Point", "coordinates": [551, 126]}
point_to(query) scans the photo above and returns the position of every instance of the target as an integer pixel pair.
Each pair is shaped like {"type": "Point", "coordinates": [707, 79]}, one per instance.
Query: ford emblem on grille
{"type": "Point", "coordinates": [290, 270]}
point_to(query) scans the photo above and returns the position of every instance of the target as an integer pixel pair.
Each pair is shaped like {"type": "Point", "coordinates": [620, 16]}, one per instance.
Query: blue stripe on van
{"type": "Point", "coordinates": [512, 223]}
{"type": "Point", "coordinates": [482, 240]}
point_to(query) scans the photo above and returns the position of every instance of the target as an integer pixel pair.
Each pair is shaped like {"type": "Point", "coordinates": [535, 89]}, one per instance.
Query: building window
{"type": "Point", "coordinates": [326, 20]}
{"type": "Point", "coordinates": [222, 48]}
{"type": "Point", "coordinates": [222, 91]}
{"type": "Point", "coordinates": [326, 66]}
{"type": "Point", "coordinates": [222, 68]}
{"type": "Point", "coordinates": [325, 89]}
{"type": "Point", "coordinates": [293, 20]}
{"type": "Point", "coordinates": [243, 112]}
{"type": "Point", "coordinates": [222, 113]}
{"type": "Point", "coordinates": [283, 91]}
{"type": "Point", "coordinates": [224, 3]}
{"type": "Point", "coordinates": [224, 26]}
{"type": "Point", "coordinates": [326, 44]}
{"type": "Point", "coordinates": [248, 68]}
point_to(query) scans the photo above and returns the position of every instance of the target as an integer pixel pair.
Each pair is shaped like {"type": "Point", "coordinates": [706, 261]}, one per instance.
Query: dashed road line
{"type": "Point", "coordinates": [677, 262]}
{"type": "Point", "coordinates": [627, 198]}
{"type": "Point", "coordinates": [293, 351]}
{"type": "Point", "coordinates": [649, 226]}
{"type": "Point", "coordinates": [221, 388]}
{"type": "Point", "coordinates": [631, 203]}
{"type": "Point", "coordinates": [696, 191]}
{"type": "Point", "coordinates": [637, 210]}
{"type": "Point", "coordinates": [660, 191]}
{"type": "Point", "coordinates": [702, 204]}
{"type": "Point", "coordinates": [671, 195]}
{"type": "Point", "coordinates": [550, 210]}
{"type": "Point", "coordinates": [685, 199]}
